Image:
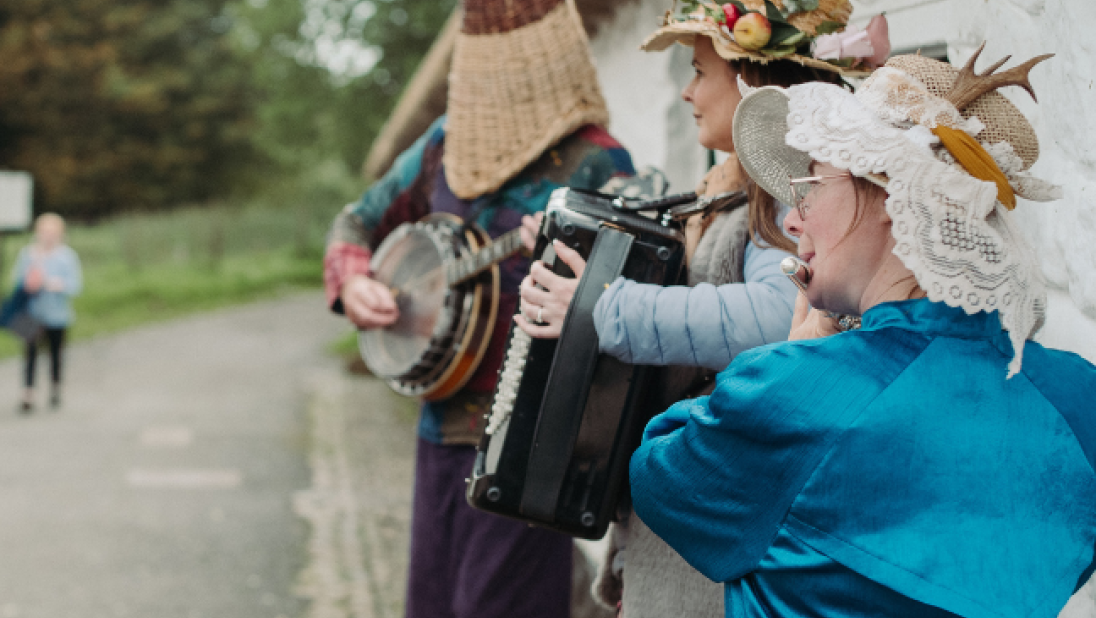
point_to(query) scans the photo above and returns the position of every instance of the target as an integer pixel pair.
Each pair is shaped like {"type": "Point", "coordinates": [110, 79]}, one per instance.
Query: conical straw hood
{"type": "Point", "coordinates": [522, 80]}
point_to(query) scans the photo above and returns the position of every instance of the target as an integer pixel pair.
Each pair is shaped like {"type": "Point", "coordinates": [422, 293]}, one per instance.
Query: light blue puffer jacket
{"type": "Point", "coordinates": [704, 326]}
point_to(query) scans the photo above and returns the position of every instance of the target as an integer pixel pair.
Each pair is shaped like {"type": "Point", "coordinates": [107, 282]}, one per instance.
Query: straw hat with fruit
{"type": "Point", "coordinates": [814, 33]}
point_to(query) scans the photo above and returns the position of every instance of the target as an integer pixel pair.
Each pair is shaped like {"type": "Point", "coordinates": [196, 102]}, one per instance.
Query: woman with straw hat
{"type": "Point", "coordinates": [934, 462]}
{"type": "Point", "coordinates": [738, 297]}
{"type": "Point", "coordinates": [525, 116]}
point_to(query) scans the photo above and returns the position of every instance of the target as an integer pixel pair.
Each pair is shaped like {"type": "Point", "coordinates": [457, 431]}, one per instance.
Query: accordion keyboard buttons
{"type": "Point", "coordinates": [509, 380]}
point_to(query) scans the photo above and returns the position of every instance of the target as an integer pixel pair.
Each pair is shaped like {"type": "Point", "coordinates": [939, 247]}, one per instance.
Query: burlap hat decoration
{"type": "Point", "coordinates": [814, 33]}
{"type": "Point", "coordinates": [522, 80]}
{"type": "Point", "coordinates": [952, 153]}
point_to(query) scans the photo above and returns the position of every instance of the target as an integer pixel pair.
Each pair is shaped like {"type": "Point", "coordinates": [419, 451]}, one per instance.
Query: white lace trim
{"type": "Point", "coordinates": [950, 231]}
{"type": "Point", "coordinates": [1024, 184]}
{"type": "Point", "coordinates": [898, 99]}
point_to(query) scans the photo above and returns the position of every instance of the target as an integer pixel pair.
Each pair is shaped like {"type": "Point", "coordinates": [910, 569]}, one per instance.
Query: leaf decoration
{"type": "Point", "coordinates": [794, 40]}
{"type": "Point", "coordinates": [829, 27]}
{"type": "Point", "coordinates": [688, 8]}
{"type": "Point", "coordinates": [781, 51]}
{"type": "Point", "coordinates": [783, 33]}
{"type": "Point", "coordinates": [772, 12]}
{"type": "Point", "coordinates": [799, 6]}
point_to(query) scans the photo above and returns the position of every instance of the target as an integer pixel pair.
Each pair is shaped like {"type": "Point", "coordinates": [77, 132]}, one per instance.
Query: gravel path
{"type": "Point", "coordinates": [220, 466]}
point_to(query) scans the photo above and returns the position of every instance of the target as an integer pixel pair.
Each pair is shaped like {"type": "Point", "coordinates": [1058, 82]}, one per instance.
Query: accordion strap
{"type": "Point", "coordinates": [569, 381]}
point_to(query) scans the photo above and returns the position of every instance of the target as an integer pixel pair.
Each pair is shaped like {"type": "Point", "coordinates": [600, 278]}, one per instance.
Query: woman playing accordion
{"type": "Point", "coordinates": [736, 297]}
{"type": "Point", "coordinates": [934, 462]}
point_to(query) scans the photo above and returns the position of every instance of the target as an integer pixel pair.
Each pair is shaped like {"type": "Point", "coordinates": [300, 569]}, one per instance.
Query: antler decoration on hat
{"type": "Point", "coordinates": [969, 85]}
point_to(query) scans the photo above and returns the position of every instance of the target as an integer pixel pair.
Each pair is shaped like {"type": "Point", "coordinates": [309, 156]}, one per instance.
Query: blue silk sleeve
{"type": "Point", "coordinates": [715, 476]}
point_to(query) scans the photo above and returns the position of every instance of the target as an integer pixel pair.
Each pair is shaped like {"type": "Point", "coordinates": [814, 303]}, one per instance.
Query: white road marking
{"type": "Point", "coordinates": [169, 436]}
{"type": "Point", "coordinates": [184, 479]}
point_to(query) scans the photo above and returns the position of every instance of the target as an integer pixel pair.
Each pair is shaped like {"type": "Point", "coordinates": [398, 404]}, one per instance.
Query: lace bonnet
{"type": "Point", "coordinates": [952, 154]}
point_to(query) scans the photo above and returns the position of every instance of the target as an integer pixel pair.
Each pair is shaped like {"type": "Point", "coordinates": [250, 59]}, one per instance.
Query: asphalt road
{"type": "Point", "coordinates": [164, 487]}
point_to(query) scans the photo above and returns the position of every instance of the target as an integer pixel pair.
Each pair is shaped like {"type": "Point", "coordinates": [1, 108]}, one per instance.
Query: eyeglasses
{"type": "Point", "coordinates": [801, 187]}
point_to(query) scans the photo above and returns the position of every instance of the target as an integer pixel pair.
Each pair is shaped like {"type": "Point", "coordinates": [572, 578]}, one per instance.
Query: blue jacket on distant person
{"type": "Point", "coordinates": [53, 308]}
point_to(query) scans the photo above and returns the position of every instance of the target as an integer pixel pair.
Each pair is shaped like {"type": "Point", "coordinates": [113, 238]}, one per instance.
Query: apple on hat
{"type": "Point", "coordinates": [752, 31]}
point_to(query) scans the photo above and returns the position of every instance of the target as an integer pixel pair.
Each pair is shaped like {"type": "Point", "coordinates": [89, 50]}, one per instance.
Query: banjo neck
{"type": "Point", "coordinates": [466, 268]}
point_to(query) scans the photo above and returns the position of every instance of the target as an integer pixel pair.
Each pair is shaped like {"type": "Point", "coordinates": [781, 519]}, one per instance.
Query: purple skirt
{"type": "Point", "coordinates": [470, 564]}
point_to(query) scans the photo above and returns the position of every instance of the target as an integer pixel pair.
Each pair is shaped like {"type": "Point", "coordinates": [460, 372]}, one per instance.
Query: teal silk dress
{"type": "Point", "coordinates": [889, 471]}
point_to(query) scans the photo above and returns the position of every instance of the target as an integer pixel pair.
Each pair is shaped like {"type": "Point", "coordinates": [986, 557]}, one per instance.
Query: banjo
{"type": "Point", "coordinates": [444, 276]}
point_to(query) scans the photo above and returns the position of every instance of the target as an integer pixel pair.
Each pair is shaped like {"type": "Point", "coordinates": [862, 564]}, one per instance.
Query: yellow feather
{"type": "Point", "coordinates": [970, 154]}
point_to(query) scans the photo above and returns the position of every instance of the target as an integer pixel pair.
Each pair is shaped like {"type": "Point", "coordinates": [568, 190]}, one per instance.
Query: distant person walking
{"type": "Point", "coordinates": [49, 271]}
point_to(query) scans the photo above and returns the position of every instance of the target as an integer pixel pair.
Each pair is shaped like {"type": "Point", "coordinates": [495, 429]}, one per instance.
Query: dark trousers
{"type": "Point", "coordinates": [55, 337]}
{"type": "Point", "coordinates": [469, 564]}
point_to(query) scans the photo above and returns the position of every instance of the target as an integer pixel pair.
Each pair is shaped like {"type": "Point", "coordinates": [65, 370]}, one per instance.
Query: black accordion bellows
{"type": "Point", "coordinates": [565, 418]}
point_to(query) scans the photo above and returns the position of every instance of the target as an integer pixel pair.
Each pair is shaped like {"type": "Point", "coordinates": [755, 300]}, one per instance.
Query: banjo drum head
{"type": "Point", "coordinates": [411, 261]}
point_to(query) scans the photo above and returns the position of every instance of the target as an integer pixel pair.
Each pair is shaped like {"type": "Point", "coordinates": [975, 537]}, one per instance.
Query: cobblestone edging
{"type": "Point", "coordinates": [358, 503]}
{"type": "Point", "coordinates": [361, 453]}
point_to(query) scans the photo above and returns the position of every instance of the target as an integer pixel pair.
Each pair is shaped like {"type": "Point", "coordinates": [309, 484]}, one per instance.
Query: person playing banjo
{"type": "Point", "coordinates": [525, 116]}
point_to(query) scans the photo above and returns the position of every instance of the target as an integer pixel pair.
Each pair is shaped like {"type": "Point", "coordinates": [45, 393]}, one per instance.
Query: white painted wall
{"type": "Point", "coordinates": [649, 118]}
{"type": "Point", "coordinates": [643, 91]}
{"type": "Point", "coordinates": [1061, 232]}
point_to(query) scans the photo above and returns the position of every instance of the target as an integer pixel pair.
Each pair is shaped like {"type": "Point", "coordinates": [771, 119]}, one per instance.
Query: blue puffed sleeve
{"type": "Point", "coordinates": [705, 325]}
{"type": "Point", "coordinates": [715, 476]}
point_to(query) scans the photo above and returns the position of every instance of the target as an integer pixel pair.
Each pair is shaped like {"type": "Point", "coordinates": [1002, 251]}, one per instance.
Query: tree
{"type": "Point", "coordinates": [122, 105]}
{"type": "Point", "coordinates": [317, 103]}
{"type": "Point", "coordinates": [150, 103]}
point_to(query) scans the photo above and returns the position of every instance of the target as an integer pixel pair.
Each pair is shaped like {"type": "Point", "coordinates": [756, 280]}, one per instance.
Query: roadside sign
{"type": "Point", "coordinates": [16, 189]}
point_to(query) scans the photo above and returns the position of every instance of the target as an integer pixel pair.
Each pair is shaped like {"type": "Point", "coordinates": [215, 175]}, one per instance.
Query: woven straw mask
{"type": "Point", "coordinates": [950, 229]}
{"type": "Point", "coordinates": [522, 80]}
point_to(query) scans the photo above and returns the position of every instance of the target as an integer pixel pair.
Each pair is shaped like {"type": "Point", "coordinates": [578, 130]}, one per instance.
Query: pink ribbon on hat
{"type": "Point", "coordinates": [872, 45]}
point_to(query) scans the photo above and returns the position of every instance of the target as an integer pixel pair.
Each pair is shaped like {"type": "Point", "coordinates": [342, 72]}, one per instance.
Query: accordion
{"type": "Point", "coordinates": [565, 418]}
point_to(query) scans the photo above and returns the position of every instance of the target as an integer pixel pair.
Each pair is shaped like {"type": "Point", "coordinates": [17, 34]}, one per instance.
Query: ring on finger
{"type": "Point", "coordinates": [540, 316]}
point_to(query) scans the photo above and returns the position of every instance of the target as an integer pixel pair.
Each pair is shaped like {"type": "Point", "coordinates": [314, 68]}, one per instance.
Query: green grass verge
{"type": "Point", "coordinates": [345, 346]}
{"type": "Point", "coordinates": [150, 267]}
